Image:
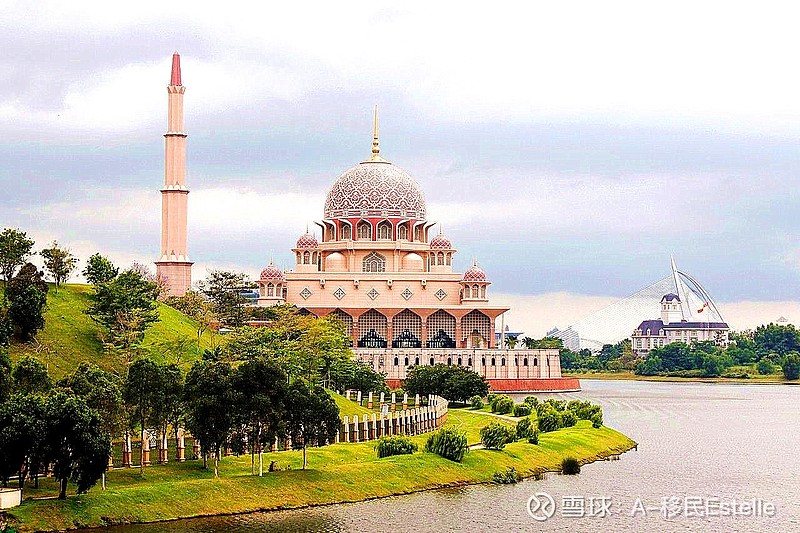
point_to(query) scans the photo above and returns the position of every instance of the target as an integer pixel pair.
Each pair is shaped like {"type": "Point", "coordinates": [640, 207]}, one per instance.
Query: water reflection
{"type": "Point", "coordinates": [703, 440]}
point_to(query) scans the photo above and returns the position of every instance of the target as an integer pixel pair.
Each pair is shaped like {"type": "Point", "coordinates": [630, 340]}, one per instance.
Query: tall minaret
{"type": "Point", "coordinates": [174, 265]}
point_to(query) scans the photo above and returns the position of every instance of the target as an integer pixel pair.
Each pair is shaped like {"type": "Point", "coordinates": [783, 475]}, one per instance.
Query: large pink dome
{"type": "Point", "coordinates": [273, 273]}
{"type": "Point", "coordinates": [307, 241]}
{"type": "Point", "coordinates": [375, 189]}
{"type": "Point", "coordinates": [474, 273]}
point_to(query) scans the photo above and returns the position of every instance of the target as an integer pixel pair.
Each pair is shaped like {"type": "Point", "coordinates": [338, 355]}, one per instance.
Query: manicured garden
{"type": "Point", "coordinates": [343, 472]}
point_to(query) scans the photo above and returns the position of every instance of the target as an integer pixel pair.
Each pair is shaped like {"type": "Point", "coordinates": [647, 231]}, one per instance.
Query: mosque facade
{"type": "Point", "coordinates": [379, 266]}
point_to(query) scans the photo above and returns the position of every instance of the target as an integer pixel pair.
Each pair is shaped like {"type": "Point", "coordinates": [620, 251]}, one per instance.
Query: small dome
{"type": "Point", "coordinates": [474, 273]}
{"type": "Point", "coordinates": [670, 298]}
{"type": "Point", "coordinates": [273, 273]}
{"type": "Point", "coordinates": [440, 242]}
{"type": "Point", "coordinates": [413, 262]}
{"type": "Point", "coordinates": [335, 262]}
{"type": "Point", "coordinates": [307, 241]}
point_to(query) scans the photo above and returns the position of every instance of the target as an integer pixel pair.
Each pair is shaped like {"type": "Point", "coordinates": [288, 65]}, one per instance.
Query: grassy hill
{"type": "Point", "coordinates": [70, 336]}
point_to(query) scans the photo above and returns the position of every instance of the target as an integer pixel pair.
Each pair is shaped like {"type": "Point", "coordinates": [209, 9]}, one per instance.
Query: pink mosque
{"type": "Point", "coordinates": [378, 267]}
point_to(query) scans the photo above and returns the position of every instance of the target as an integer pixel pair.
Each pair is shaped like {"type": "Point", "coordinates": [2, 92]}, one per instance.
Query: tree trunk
{"type": "Point", "coordinates": [305, 460]}
{"type": "Point", "coordinates": [141, 460]}
{"type": "Point", "coordinates": [62, 493]}
{"type": "Point", "coordinates": [216, 465]}
{"type": "Point", "coordinates": [205, 460]}
{"type": "Point", "coordinates": [260, 461]}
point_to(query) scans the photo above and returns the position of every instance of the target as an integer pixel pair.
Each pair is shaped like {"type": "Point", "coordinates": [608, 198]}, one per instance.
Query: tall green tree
{"type": "Point", "coordinates": [224, 289]}
{"type": "Point", "coordinates": [30, 376]}
{"type": "Point", "coordinates": [59, 262]}
{"type": "Point", "coordinates": [27, 300]}
{"type": "Point", "coordinates": [22, 437]}
{"type": "Point", "coordinates": [15, 247]}
{"type": "Point", "coordinates": [259, 388]}
{"type": "Point", "coordinates": [126, 307]}
{"type": "Point", "coordinates": [209, 398]}
{"type": "Point", "coordinates": [453, 382]}
{"type": "Point", "coordinates": [169, 410]}
{"type": "Point", "coordinates": [76, 444]}
{"type": "Point", "coordinates": [102, 391]}
{"type": "Point", "coordinates": [313, 417]}
{"type": "Point", "coordinates": [99, 270]}
{"type": "Point", "coordinates": [304, 346]}
{"type": "Point", "coordinates": [356, 375]}
{"type": "Point", "coordinates": [141, 394]}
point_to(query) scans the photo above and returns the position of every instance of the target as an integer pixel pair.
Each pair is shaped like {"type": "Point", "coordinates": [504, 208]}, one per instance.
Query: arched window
{"type": "Point", "coordinates": [402, 232]}
{"type": "Point", "coordinates": [270, 290]}
{"type": "Point", "coordinates": [449, 361]}
{"type": "Point", "coordinates": [416, 361]}
{"type": "Point", "coordinates": [418, 233]}
{"type": "Point", "coordinates": [307, 258]}
{"type": "Point", "coordinates": [469, 361]}
{"type": "Point", "coordinates": [347, 232]}
{"type": "Point", "coordinates": [374, 262]}
{"type": "Point", "coordinates": [459, 361]}
{"type": "Point", "coordinates": [299, 258]}
{"type": "Point", "coordinates": [396, 361]}
{"type": "Point", "coordinates": [483, 361]}
{"type": "Point", "coordinates": [535, 362]}
{"type": "Point", "coordinates": [406, 362]}
{"type": "Point", "coordinates": [431, 361]}
{"type": "Point", "coordinates": [493, 362]}
{"type": "Point", "coordinates": [483, 291]}
{"type": "Point", "coordinates": [440, 258]}
{"type": "Point", "coordinates": [385, 231]}
{"type": "Point", "coordinates": [448, 258]}
{"type": "Point", "coordinates": [525, 362]}
{"type": "Point", "coordinates": [364, 230]}
{"type": "Point", "coordinates": [502, 361]}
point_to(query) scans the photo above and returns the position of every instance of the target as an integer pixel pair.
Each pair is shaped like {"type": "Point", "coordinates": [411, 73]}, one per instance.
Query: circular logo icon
{"type": "Point", "coordinates": [541, 506]}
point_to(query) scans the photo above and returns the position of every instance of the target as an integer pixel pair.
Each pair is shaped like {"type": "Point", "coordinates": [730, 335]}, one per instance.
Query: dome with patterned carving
{"type": "Point", "coordinates": [273, 273]}
{"type": "Point", "coordinates": [474, 273]}
{"type": "Point", "coordinates": [375, 189]}
{"type": "Point", "coordinates": [440, 242]}
{"type": "Point", "coordinates": [307, 241]}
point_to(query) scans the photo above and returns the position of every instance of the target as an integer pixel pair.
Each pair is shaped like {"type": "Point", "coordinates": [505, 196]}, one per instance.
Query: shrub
{"type": "Point", "coordinates": [534, 437]}
{"type": "Point", "coordinates": [476, 402]}
{"type": "Point", "coordinates": [524, 428]}
{"type": "Point", "coordinates": [503, 404]}
{"type": "Point", "coordinates": [597, 420]}
{"type": "Point", "coordinates": [791, 365]}
{"type": "Point", "coordinates": [522, 410]}
{"type": "Point", "coordinates": [449, 443]}
{"type": "Point", "coordinates": [570, 466]}
{"type": "Point", "coordinates": [549, 418]}
{"type": "Point", "coordinates": [568, 419]}
{"type": "Point", "coordinates": [533, 401]}
{"type": "Point", "coordinates": [491, 398]}
{"type": "Point", "coordinates": [558, 405]}
{"type": "Point", "coordinates": [495, 436]}
{"type": "Point", "coordinates": [765, 367]}
{"type": "Point", "coordinates": [396, 445]}
{"type": "Point", "coordinates": [509, 477]}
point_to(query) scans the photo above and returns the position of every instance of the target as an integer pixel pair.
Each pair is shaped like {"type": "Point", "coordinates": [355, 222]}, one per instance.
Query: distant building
{"type": "Point", "coordinates": [614, 323]}
{"type": "Point", "coordinates": [673, 327]}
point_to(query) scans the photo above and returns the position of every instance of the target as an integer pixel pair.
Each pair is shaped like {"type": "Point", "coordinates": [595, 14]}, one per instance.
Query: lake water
{"type": "Point", "coordinates": [701, 446]}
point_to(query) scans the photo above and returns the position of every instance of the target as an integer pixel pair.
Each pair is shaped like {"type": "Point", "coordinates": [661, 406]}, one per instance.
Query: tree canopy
{"type": "Point", "coordinates": [15, 247]}
{"type": "Point", "coordinates": [59, 262]}
{"type": "Point", "coordinates": [452, 382]}
{"type": "Point", "coordinates": [27, 297]}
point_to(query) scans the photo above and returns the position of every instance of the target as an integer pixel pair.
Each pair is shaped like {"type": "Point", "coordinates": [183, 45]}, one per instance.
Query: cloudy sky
{"type": "Point", "coordinates": [572, 147]}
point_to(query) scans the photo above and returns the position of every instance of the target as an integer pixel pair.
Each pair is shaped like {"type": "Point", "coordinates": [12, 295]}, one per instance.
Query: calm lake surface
{"type": "Point", "coordinates": [701, 444]}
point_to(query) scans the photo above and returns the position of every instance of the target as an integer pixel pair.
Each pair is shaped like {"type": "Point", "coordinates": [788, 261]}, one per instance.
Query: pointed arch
{"type": "Point", "coordinates": [373, 262]}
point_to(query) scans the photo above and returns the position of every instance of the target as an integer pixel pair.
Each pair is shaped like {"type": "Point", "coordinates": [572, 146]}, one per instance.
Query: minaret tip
{"type": "Point", "coordinates": [375, 144]}
{"type": "Point", "coordinates": [175, 79]}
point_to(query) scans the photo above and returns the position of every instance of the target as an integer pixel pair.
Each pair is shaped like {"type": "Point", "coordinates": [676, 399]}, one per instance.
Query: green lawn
{"type": "Point", "coordinates": [343, 472]}
{"type": "Point", "coordinates": [349, 407]}
{"type": "Point", "coordinates": [70, 336]}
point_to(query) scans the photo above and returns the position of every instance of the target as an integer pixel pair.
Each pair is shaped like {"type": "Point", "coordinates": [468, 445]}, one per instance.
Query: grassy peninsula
{"type": "Point", "coordinates": [339, 473]}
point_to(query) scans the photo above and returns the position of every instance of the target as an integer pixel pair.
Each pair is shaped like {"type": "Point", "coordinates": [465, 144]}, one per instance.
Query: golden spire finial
{"type": "Point", "coordinates": [375, 148]}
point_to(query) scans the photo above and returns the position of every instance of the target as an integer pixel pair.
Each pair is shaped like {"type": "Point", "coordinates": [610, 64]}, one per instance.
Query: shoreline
{"type": "Point", "coordinates": [629, 376]}
{"type": "Point", "coordinates": [184, 491]}
{"type": "Point", "coordinates": [599, 457]}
